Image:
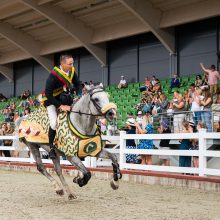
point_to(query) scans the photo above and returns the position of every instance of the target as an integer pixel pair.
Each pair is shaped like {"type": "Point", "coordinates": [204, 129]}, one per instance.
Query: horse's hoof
{"type": "Point", "coordinates": [71, 197]}
{"type": "Point", "coordinates": [114, 184]}
{"type": "Point", "coordinates": [60, 192]}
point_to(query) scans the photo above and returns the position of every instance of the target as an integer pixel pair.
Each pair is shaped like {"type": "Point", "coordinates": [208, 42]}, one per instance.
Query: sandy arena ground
{"type": "Point", "coordinates": [30, 196]}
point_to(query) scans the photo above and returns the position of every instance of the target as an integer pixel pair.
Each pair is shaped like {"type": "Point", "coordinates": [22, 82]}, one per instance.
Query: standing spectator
{"type": "Point", "coordinates": [178, 118]}
{"type": "Point", "coordinates": [175, 82]}
{"type": "Point", "coordinates": [111, 128]}
{"type": "Point", "coordinates": [130, 143]}
{"type": "Point", "coordinates": [163, 104]}
{"type": "Point", "coordinates": [145, 143]}
{"type": "Point", "coordinates": [9, 132]}
{"type": "Point", "coordinates": [122, 83]}
{"type": "Point", "coordinates": [164, 143]}
{"type": "Point", "coordinates": [103, 125]}
{"type": "Point", "coordinates": [185, 161]}
{"type": "Point", "coordinates": [196, 105]}
{"type": "Point", "coordinates": [195, 145]}
{"type": "Point", "coordinates": [16, 116]}
{"type": "Point", "coordinates": [213, 77]}
{"type": "Point", "coordinates": [206, 113]}
{"type": "Point", "coordinates": [2, 133]}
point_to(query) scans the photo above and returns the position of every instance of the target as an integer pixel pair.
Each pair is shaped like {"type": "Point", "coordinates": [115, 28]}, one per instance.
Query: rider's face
{"type": "Point", "coordinates": [67, 64]}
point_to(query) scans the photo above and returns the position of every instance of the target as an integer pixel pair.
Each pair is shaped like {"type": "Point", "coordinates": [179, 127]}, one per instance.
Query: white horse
{"type": "Point", "coordinates": [83, 116]}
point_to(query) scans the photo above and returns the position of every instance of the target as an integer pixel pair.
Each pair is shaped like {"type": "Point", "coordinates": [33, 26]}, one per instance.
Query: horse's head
{"type": "Point", "coordinates": [100, 105]}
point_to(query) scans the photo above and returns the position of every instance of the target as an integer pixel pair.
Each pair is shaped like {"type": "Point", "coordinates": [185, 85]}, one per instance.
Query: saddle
{"type": "Point", "coordinates": [68, 139]}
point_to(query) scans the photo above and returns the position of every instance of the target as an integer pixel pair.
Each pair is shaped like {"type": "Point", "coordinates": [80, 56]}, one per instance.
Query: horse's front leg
{"type": "Point", "coordinates": [84, 175]}
{"type": "Point", "coordinates": [116, 170]}
{"type": "Point", "coordinates": [58, 170]}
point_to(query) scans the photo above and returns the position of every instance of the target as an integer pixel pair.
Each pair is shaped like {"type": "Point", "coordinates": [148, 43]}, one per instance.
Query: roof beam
{"type": "Point", "coordinates": [7, 71]}
{"type": "Point", "coordinates": [189, 13]}
{"type": "Point", "coordinates": [26, 43]}
{"type": "Point", "coordinates": [75, 28]}
{"type": "Point", "coordinates": [150, 16]}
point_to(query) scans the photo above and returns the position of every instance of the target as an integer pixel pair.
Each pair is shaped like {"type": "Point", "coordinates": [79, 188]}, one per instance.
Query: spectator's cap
{"type": "Point", "coordinates": [139, 113]}
{"type": "Point", "coordinates": [130, 122]}
{"type": "Point", "coordinates": [122, 76]}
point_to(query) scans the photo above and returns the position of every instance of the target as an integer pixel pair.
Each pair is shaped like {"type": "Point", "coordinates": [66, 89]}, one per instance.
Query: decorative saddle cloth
{"type": "Point", "coordinates": [68, 139]}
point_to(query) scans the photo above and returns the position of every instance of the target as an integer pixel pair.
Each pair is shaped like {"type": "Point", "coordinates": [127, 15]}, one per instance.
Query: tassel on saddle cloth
{"type": "Point", "coordinates": [68, 139]}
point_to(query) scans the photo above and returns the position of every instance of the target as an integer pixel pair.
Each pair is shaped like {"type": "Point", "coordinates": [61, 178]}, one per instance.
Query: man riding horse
{"type": "Point", "coordinates": [56, 94]}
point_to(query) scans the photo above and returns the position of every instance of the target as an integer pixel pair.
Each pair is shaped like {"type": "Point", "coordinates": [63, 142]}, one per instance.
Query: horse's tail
{"type": "Point", "coordinates": [18, 143]}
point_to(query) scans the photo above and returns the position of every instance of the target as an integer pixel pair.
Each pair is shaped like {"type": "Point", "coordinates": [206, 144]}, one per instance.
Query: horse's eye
{"type": "Point", "coordinates": [96, 99]}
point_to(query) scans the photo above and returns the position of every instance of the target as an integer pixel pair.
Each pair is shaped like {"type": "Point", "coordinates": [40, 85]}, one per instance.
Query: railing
{"type": "Point", "coordinates": [204, 139]}
{"type": "Point", "coordinates": [202, 153]}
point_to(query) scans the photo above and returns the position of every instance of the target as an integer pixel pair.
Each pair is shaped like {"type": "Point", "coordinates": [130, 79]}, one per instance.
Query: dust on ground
{"type": "Point", "coordinates": [31, 196]}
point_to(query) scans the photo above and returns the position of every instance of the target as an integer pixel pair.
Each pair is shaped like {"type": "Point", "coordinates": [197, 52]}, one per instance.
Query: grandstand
{"type": "Point", "coordinates": [107, 38]}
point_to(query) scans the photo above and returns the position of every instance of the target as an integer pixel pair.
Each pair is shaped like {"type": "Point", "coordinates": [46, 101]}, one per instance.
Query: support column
{"type": "Point", "coordinates": [104, 75]}
{"type": "Point", "coordinates": [173, 64]}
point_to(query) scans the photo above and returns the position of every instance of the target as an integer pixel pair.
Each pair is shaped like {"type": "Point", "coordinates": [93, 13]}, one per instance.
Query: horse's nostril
{"type": "Point", "coordinates": [110, 113]}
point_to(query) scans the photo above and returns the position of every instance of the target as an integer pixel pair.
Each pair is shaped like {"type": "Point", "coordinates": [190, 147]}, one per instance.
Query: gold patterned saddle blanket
{"type": "Point", "coordinates": [68, 139]}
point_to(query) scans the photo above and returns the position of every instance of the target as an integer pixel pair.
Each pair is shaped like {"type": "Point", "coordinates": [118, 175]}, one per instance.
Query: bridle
{"type": "Point", "coordinates": [97, 106]}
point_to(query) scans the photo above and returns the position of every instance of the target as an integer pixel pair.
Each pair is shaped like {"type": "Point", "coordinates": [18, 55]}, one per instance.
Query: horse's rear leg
{"type": "Point", "coordinates": [58, 170]}
{"type": "Point", "coordinates": [41, 168]}
{"type": "Point", "coordinates": [116, 170]}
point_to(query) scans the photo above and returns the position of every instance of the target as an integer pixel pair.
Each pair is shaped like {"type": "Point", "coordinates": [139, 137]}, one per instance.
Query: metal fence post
{"type": "Point", "coordinates": [122, 147]}
{"type": "Point", "coordinates": [202, 152]}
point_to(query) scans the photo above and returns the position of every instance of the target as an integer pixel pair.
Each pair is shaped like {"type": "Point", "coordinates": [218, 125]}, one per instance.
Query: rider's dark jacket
{"type": "Point", "coordinates": [55, 84]}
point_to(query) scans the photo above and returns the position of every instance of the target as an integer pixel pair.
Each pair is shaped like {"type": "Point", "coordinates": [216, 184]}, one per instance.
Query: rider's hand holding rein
{"type": "Point", "coordinates": [65, 108]}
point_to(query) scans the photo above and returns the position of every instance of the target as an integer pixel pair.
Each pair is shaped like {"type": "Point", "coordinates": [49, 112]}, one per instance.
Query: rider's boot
{"type": "Point", "coordinates": [51, 135]}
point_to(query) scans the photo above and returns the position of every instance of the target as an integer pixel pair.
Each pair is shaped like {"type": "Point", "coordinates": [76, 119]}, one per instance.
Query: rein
{"type": "Point", "coordinates": [94, 103]}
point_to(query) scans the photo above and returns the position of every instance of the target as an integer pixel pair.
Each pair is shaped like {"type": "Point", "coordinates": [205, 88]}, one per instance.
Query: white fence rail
{"type": "Point", "coordinates": [119, 147]}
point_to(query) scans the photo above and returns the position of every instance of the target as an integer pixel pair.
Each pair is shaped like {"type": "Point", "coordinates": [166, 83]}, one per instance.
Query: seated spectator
{"type": "Point", "coordinates": [122, 83]}
{"type": "Point", "coordinates": [164, 143]}
{"type": "Point", "coordinates": [148, 105]}
{"type": "Point", "coordinates": [130, 115]}
{"type": "Point", "coordinates": [139, 118]}
{"type": "Point", "coordinates": [91, 84]}
{"type": "Point", "coordinates": [153, 80]}
{"type": "Point", "coordinates": [2, 98]}
{"type": "Point", "coordinates": [175, 82]}
{"type": "Point", "coordinates": [205, 84]}
{"type": "Point", "coordinates": [157, 86]}
{"type": "Point", "coordinates": [213, 77]}
{"type": "Point", "coordinates": [198, 81]}
{"type": "Point", "coordinates": [130, 143]}
{"type": "Point", "coordinates": [147, 82]}
{"type": "Point", "coordinates": [150, 90]}
{"type": "Point", "coordinates": [25, 94]}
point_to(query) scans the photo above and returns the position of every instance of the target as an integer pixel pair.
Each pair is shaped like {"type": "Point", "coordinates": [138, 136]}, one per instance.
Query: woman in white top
{"type": "Point", "coordinates": [196, 105]}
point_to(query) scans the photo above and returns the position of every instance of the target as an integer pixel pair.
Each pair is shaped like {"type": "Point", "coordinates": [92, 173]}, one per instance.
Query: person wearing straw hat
{"type": "Point", "coordinates": [130, 143]}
